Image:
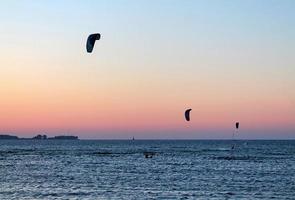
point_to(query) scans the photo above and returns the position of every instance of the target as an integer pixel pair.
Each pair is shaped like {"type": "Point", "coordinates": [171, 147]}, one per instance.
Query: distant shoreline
{"type": "Point", "coordinates": [70, 137]}
{"type": "Point", "coordinates": [39, 137]}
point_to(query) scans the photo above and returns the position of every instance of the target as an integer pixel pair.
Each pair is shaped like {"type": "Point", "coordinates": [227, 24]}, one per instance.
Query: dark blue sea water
{"type": "Point", "coordinates": [54, 169]}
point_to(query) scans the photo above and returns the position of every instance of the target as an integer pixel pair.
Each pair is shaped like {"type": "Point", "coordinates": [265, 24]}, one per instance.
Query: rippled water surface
{"type": "Point", "coordinates": [118, 170]}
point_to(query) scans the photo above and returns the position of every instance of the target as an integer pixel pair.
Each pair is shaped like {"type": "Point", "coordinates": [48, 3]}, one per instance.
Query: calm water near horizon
{"type": "Point", "coordinates": [181, 169]}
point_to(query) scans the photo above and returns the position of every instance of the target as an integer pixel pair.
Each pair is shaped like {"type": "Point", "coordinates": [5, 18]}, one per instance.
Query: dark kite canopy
{"type": "Point", "coordinates": [237, 125]}
{"type": "Point", "coordinates": [187, 114]}
{"type": "Point", "coordinates": [91, 41]}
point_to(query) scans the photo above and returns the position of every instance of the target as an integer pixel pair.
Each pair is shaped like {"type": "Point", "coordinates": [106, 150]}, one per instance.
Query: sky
{"type": "Point", "coordinates": [226, 60]}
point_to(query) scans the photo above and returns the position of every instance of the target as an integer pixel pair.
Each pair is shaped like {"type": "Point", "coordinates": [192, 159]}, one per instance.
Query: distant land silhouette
{"type": "Point", "coordinates": [39, 137]}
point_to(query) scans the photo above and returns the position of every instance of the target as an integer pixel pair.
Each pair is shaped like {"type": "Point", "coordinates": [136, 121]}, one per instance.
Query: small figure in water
{"type": "Point", "coordinates": [148, 154]}
{"type": "Point", "coordinates": [233, 147]}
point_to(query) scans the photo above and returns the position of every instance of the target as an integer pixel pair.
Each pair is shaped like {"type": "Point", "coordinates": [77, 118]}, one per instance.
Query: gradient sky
{"type": "Point", "coordinates": [227, 60]}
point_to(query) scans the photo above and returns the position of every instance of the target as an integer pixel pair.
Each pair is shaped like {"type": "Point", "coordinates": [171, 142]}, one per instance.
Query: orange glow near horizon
{"type": "Point", "coordinates": [144, 72]}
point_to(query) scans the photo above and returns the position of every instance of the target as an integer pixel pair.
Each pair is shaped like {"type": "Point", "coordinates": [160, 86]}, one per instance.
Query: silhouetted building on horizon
{"type": "Point", "coordinates": [40, 137]}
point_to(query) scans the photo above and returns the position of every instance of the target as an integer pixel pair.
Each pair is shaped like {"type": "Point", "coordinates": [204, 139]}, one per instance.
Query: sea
{"type": "Point", "coordinates": [118, 169]}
